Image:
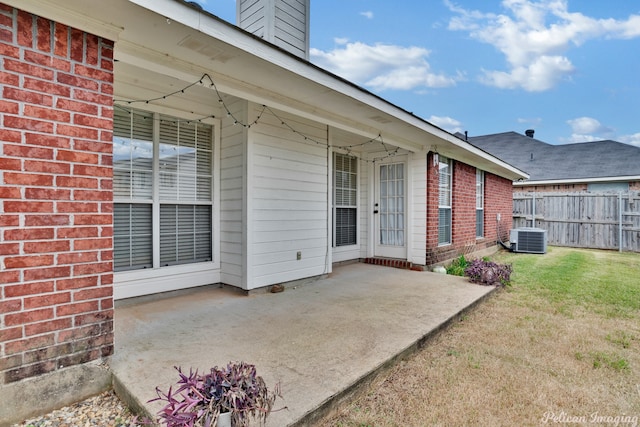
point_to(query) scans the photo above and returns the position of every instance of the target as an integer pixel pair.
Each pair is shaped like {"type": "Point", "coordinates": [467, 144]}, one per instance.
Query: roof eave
{"type": "Point", "coordinates": [626, 178]}
{"type": "Point", "coordinates": [362, 112]}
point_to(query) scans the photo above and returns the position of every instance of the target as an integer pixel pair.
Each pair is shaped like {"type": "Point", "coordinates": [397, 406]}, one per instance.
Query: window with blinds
{"type": "Point", "coordinates": [444, 200]}
{"type": "Point", "coordinates": [163, 180]}
{"type": "Point", "coordinates": [479, 203]}
{"type": "Point", "coordinates": [345, 199]}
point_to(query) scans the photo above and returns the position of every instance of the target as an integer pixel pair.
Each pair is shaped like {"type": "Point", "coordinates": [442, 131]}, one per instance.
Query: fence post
{"type": "Point", "coordinates": [620, 221]}
{"type": "Point", "coordinates": [533, 217]}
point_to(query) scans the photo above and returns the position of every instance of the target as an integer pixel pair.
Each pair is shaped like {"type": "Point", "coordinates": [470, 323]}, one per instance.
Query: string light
{"type": "Point", "coordinates": [348, 149]}
{"type": "Point", "coordinates": [164, 120]}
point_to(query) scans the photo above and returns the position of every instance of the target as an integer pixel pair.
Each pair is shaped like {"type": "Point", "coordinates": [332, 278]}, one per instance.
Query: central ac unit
{"type": "Point", "coordinates": [529, 239]}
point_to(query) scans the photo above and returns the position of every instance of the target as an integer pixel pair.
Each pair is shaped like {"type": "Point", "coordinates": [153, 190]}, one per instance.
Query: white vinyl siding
{"type": "Point", "coordinates": [417, 208]}
{"type": "Point", "coordinates": [287, 200]}
{"type": "Point", "coordinates": [345, 185]}
{"type": "Point", "coordinates": [364, 192]}
{"type": "Point", "coordinates": [284, 23]}
{"type": "Point", "coordinates": [163, 180]}
{"type": "Point", "coordinates": [445, 174]}
{"type": "Point", "coordinates": [232, 197]}
{"type": "Point", "coordinates": [479, 203]}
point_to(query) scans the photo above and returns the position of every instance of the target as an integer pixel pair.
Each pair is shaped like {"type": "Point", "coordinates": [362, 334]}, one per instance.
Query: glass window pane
{"type": "Point", "coordinates": [345, 226]}
{"type": "Point", "coordinates": [186, 155]}
{"type": "Point", "coordinates": [185, 234]}
{"type": "Point", "coordinates": [345, 199]}
{"type": "Point", "coordinates": [132, 154]}
{"type": "Point", "coordinates": [184, 173]}
{"type": "Point", "coordinates": [444, 226]}
{"type": "Point", "coordinates": [132, 236]}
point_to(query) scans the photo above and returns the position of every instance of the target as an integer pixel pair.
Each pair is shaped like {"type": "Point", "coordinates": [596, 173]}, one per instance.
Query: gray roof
{"type": "Point", "coordinates": [542, 161]}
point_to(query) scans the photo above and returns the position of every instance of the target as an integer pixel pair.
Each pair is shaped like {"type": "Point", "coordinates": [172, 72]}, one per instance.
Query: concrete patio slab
{"type": "Point", "coordinates": [319, 341]}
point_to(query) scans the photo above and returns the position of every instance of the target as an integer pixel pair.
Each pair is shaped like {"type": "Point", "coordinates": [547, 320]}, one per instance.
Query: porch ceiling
{"type": "Point", "coordinates": [182, 43]}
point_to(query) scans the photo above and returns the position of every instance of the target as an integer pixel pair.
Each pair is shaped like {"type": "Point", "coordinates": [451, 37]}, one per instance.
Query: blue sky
{"type": "Point", "coordinates": [568, 69]}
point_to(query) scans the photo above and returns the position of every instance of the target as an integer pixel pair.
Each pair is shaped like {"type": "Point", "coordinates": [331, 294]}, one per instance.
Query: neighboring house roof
{"type": "Point", "coordinates": [580, 162]}
{"type": "Point", "coordinates": [179, 41]}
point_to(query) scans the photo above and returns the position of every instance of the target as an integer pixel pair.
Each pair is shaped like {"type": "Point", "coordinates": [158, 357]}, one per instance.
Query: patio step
{"type": "Point", "coordinates": [390, 262]}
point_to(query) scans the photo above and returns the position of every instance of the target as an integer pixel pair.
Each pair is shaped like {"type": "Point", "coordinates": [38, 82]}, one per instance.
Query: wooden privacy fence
{"type": "Point", "coordinates": [582, 220]}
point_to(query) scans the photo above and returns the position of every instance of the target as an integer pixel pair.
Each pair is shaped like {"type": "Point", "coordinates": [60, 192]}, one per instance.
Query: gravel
{"type": "Point", "coordinates": [103, 410]}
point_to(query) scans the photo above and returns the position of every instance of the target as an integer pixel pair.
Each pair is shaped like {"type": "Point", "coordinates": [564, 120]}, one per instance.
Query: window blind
{"type": "Point", "coordinates": [132, 236]}
{"type": "Point", "coordinates": [444, 200]}
{"type": "Point", "coordinates": [182, 178]}
{"type": "Point", "coordinates": [185, 234]}
{"type": "Point", "coordinates": [345, 199]}
{"type": "Point", "coordinates": [479, 203]}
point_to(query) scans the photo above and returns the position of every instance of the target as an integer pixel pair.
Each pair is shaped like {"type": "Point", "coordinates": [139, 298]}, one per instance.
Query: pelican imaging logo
{"type": "Point", "coordinates": [551, 417]}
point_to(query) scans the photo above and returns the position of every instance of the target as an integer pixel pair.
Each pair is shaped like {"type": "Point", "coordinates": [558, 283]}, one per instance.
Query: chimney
{"type": "Point", "coordinates": [284, 23]}
{"type": "Point", "coordinates": [529, 133]}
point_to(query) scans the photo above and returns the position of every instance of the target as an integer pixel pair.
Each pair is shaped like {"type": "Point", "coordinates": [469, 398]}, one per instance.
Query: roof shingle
{"type": "Point", "coordinates": [542, 161]}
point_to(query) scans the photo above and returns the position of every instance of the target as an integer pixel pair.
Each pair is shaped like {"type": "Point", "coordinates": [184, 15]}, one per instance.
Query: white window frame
{"type": "Point", "coordinates": [445, 200]}
{"type": "Point", "coordinates": [135, 282]}
{"type": "Point", "coordinates": [354, 207]}
{"type": "Point", "coordinates": [479, 203]}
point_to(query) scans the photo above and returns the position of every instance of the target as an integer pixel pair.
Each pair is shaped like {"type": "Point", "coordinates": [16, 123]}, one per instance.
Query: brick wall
{"type": "Point", "coordinates": [498, 199]}
{"type": "Point", "coordinates": [432, 209]}
{"type": "Point", "coordinates": [56, 305]}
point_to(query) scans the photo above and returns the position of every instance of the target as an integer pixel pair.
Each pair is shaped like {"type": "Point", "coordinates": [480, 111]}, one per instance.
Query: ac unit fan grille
{"type": "Point", "coordinates": [530, 241]}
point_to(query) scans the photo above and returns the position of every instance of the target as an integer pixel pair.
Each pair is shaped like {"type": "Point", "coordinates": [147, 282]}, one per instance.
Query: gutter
{"type": "Point", "coordinates": [577, 180]}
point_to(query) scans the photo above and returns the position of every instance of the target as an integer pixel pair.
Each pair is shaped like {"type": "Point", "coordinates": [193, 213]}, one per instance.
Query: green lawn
{"type": "Point", "coordinates": [562, 341]}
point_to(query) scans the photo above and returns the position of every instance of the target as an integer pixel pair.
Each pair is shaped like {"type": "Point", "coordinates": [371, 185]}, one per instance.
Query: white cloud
{"type": "Point", "coordinates": [368, 14]}
{"type": "Point", "coordinates": [534, 37]}
{"type": "Point", "coordinates": [447, 123]}
{"type": "Point", "coordinates": [382, 66]}
{"type": "Point", "coordinates": [633, 139]}
{"type": "Point", "coordinates": [532, 120]}
{"type": "Point", "coordinates": [541, 74]}
{"type": "Point", "coordinates": [586, 129]}
{"type": "Point", "coordinates": [587, 125]}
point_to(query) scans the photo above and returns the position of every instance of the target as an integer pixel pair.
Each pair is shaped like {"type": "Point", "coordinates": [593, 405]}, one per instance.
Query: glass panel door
{"type": "Point", "coordinates": [391, 221]}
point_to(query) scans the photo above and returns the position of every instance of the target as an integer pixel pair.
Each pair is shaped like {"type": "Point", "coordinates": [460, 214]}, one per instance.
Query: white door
{"type": "Point", "coordinates": [390, 210]}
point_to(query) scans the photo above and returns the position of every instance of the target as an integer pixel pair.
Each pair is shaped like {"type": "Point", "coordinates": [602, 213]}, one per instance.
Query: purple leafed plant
{"type": "Point", "coordinates": [488, 273]}
{"type": "Point", "coordinates": [198, 399]}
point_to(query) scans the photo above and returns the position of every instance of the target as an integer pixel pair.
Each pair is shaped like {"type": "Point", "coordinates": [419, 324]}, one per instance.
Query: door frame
{"type": "Point", "coordinates": [388, 251]}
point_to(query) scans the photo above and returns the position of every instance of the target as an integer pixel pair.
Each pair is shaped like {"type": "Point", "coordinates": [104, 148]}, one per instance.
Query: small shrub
{"type": "Point", "coordinates": [458, 266]}
{"type": "Point", "coordinates": [200, 398]}
{"type": "Point", "coordinates": [488, 273]}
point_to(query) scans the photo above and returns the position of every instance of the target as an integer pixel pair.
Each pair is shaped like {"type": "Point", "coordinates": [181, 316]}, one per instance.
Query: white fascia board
{"type": "Point", "coordinates": [578, 180]}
